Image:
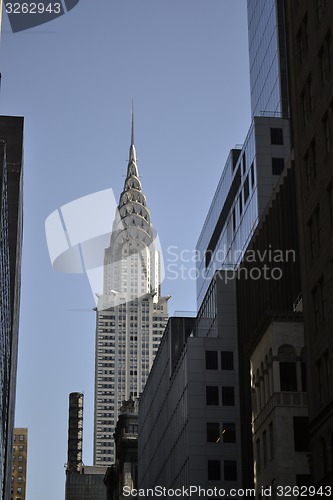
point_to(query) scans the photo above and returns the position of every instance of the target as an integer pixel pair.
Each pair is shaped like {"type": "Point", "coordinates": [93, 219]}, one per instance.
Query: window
{"type": "Point", "coordinates": [321, 4]}
{"type": "Point", "coordinates": [21, 437]}
{"type": "Point", "coordinates": [214, 470]}
{"type": "Point", "coordinates": [277, 136]}
{"type": "Point", "coordinates": [271, 440]}
{"type": "Point", "coordinates": [229, 433]}
{"type": "Point", "coordinates": [330, 202]}
{"type": "Point", "coordinates": [252, 174]}
{"type": "Point", "coordinates": [230, 470]}
{"type": "Point", "coordinates": [277, 166]}
{"type": "Point", "coordinates": [327, 133]}
{"type": "Point", "coordinates": [314, 233]}
{"type": "Point", "coordinates": [211, 360]}
{"type": "Point", "coordinates": [234, 220]}
{"type": "Point", "coordinates": [310, 165]}
{"type": "Point", "coordinates": [240, 203]}
{"type": "Point", "coordinates": [21, 447]}
{"type": "Point", "coordinates": [319, 300]}
{"type": "Point", "coordinates": [246, 189]}
{"type": "Point", "coordinates": [307, 100]}
{"type": "Point", "coordinates": [228, 396]}
{"type": "Point", "coordinates": [264, 444]}
{"type": "Point", "coordinates": [288, 380]}
{"type": "Point", "coordinates": [301, 433]}
{"type": "Point", "coordinates": [325, 57]}
{"type": "Point", "coordinates": [212, 395]}
{"type": "Point", "coordinates": [324, 382]}
{"type": "Point", "coordinates": [19, 490]}
{"type": "Point", "coordinates": [243, 164]}
{"type": "Point", "coordinates": [227, 360]}
{"type": "Point", "coordinates": [213, 433]}
{"type": "Point", "coordinates": [258, 462]}
{"type": "Point", "coordinates": [303, 39]}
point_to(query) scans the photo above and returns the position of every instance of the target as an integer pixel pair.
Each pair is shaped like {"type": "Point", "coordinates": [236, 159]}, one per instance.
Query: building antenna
{"type": "Point", "coordinates": [132, 124]}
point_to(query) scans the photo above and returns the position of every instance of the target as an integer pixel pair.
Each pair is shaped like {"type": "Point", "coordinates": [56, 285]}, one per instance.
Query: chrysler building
{"type": "Point", "coordinates": [131, 314]}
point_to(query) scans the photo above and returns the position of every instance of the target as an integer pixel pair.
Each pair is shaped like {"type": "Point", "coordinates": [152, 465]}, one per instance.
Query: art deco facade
{"type": "Point", "coordinates": [131, 314]}
{"type": "Point", "coordinates": [19, 464]}
{"type": "Point", "coordinates": [11, 150]}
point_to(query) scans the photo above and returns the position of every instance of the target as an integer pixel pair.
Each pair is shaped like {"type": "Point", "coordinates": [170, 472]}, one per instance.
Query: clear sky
{"type": "Point", "coordinates": [185, 64]}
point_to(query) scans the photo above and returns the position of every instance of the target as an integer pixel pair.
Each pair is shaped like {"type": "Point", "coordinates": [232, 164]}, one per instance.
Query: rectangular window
{"type": "Point", "coordinates": [314, 233]}
{"type": "Point", "coordinates": [264, 444]}
{"type": "Point", "coordinates": [228, 396]}
{"type": "Point", "coordinates": [310, 165]}
{"type": "Point", "coordinates": [212, 395]}
{"type": "Point", "coordinates": [240, 203]}
{"type": "Point", "coordinates": [277, 166]}
{"type": "Point", "coordinates": [307, 100]}
{"type": "Point", "coordinates": [234, 220]}
{"type": "Point", "coordinates": [246, 189]}
{"type": "Point", "coordinates": [327, 133]}
{"type": "Point", "coordinates": [319, 303]}
{"type": "Point", "coordinates": [230, 470]}
{"type": "Point", "coordinates": [229, 432]}
{"type": "Point", "coordinates": [252, 175]}
{"type": "Point", "coordinates": [271, 441]}
{"type": "Point", "coordinates": [211, 360]}
{"type": "Point", "coordinates": [325, 60]}
{"type": "Point", "coordinates": [227, 360]}
{"type": "Point", "coordinates": [214, 470]}
{"type": "Point", "coordinates": [301, 433]}
{"type": "Point", "coordinates": [243, 163]}
{"type": "Point", "coordinates": [303, 39]}
{"type": "Point", "coordinates": [213, 433]}
{"type": "Point", "coordinates": [258, 453]}
{"type": "Point", "coordinates": [330, 202]}
{"type": "Point", "coordinates": [277, 136]}
{"type": "Point", "coordinates": [288, 379]}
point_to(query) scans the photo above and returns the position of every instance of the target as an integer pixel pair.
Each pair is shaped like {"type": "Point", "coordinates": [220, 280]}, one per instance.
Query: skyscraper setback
{"type": "Point", "coordinates": [131, 314]}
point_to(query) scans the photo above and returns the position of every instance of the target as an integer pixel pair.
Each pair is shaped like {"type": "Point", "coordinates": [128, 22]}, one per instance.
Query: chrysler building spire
{"type": "Point", "coordinates": [131, 314]}
{"type": "Point", "coordinates": [132, 155]}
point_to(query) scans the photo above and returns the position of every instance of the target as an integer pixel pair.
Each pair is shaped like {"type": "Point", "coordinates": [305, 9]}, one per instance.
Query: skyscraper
{"type": "Point", "coordinates": [131, 314]}
{"type": "Point", "coordinates": [11, 149]}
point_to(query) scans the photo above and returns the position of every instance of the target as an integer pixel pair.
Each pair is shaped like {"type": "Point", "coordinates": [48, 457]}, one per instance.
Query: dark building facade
{"type": "Point", "coordinates": [123, 475]}
{"type": "Point", "coordinates": [75, 433]}
{"type": "Point", "coordinates": [311, 70]}
{"type": "Point", "coordinates": [267, 289]}
{"type": "Point", "coordinates": [11, 174]}
{"type": "Point", "coordinates": [82, 482]}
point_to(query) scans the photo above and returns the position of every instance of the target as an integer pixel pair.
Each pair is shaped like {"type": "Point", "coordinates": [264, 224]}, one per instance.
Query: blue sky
{"type": "Point", "coordinates": [185, 64]}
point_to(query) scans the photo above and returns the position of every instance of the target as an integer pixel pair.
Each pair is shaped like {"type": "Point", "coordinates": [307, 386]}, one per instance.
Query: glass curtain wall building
{"type": "Point", "coordinates": [247, 182]}
{"type": "Point", "coordinates": [268, 59]}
